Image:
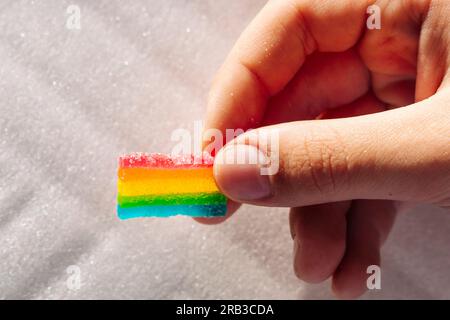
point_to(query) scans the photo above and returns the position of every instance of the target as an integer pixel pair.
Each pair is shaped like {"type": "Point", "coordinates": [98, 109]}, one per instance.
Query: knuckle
{"type": "Point", "coordinates": [325, 160]}
{"type": "Point", "coordinates": [315, 164]}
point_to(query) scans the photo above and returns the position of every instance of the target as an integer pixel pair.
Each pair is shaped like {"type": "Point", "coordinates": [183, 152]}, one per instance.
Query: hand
{"type": "Point", "coordinates": [307, 68]}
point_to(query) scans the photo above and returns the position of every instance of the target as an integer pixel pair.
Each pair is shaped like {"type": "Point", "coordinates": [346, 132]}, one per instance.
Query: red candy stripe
{"type": "Point", "coordinates": [159, 160]}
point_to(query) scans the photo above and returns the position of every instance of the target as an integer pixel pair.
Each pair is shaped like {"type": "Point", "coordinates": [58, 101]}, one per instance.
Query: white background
{"type": "Point", "coordinates": [72, 101]}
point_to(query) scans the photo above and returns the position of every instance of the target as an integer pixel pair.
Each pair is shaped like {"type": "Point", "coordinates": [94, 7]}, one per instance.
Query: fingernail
{"type": "Point", "coordinates": [237, 170]}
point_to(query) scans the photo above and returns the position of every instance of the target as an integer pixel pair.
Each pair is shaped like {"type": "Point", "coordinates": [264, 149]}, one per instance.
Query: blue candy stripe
{"type": "Point", "coordinates": [212, 210]}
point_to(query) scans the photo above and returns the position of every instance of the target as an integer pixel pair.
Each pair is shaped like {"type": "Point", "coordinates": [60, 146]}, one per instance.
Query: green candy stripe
{"type": "Point", "coordinates": [172, 199]}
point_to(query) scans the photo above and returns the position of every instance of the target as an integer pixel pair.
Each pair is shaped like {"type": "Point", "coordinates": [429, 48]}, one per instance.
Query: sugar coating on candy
{"type": "Point", "coordinates": [159, 160]}
{"type": "Point", "coordinates": [159, 185]}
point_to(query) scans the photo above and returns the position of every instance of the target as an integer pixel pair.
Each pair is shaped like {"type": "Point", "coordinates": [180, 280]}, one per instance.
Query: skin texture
{"type": "Point", "coordinates": [363, 119]}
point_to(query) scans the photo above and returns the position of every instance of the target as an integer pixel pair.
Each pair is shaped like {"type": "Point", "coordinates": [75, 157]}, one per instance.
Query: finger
{"type": "Point", "coordinates": [270, 52]}
{"type": "Point", "coordinates": [232, 207]}
{"type": "Point", "coordinates": [367, 104]}
{"type": "Point", "coordinates": [319, 231]}
{"type": "Point", "coordinates": [395, 91]}
{"type": "Point", "coordinates": [364, 105]}
{"type": "Point", "coordinates": [411, 44]}
{"type": "Point", "coordinates": [378, 156]}
{"type": "Point", "coordinates": [319, 239]}
{"type": "Point", "coordinates": [369, 223]}
{"type": "Point", "coordinates": [325, 81]}
{"type": "Point", "coordinates": [283, 31]}
{"type": "Point", "coordinates": [433, 59]}
{"type": "Point", "coordinates": [390, 52]}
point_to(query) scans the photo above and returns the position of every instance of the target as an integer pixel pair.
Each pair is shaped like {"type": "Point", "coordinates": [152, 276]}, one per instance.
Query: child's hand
{"type": "Point", "coordinates": [304, 59]}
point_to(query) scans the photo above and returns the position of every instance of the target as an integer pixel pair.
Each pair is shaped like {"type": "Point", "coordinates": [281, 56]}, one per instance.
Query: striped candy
{"type": "Point", "coordinates": [157, 185]}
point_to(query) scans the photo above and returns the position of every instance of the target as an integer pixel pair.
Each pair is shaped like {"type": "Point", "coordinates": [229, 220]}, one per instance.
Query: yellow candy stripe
{"type": "Point", "coordinates": [128, 174]}
{"type": "Point", "coordinates": [166, 186]}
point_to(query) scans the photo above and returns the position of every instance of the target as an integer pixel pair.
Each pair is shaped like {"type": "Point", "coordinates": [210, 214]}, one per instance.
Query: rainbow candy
{"type": "Point", "coordinates": [158, 185]}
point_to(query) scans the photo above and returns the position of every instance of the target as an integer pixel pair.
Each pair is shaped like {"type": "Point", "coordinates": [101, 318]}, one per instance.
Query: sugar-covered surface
{"type": "Point", "coordinates": [167, 161]}
{"type": "Point", "coordinates": [72, 101]}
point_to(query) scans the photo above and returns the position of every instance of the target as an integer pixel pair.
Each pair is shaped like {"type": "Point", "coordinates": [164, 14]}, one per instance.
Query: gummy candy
{"type": "Point", "coordinates": [158, 185]}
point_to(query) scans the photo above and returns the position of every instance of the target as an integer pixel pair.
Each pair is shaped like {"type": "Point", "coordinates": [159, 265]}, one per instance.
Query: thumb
{"type": "Point", "coordinates": [401, 154]}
